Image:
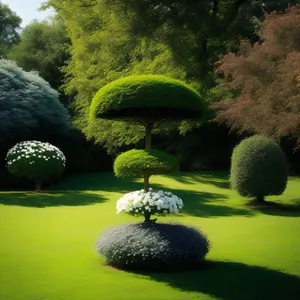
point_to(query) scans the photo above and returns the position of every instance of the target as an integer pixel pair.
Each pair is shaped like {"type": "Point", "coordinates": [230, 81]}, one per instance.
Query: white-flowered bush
{"type": "Point", "coordinates": [152, 202]}
{"type": "Point", "coordinates": [35, 160]}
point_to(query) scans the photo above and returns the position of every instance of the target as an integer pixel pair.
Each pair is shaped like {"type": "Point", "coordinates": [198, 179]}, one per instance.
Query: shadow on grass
{"type": "Point", "coordinates": [206, 205]}
{"type": "Point", "coordinates": [103, 182]}
{"type": "Point", "coordinates": [234, 281]}
{"type": "Point", "coordinates": [216, 178]}
{"type": "Point", "coordinates": [276, 208]}
{"type": "Point", "coordinates": [50, 198]}
{"type": "Point", "coordinates": [200, 204]}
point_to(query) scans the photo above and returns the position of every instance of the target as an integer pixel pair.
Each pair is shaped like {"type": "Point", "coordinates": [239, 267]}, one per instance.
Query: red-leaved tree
{"type": "Point", "coordinates": [263, 81]}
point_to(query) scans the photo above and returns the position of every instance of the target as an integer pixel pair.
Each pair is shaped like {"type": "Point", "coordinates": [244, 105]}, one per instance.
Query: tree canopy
{"type": "Point", "coordinates": [9, 26]}
{"type": "Point", "coordinates": [44, 48]}
{"type": "Point", "coordinates": [180, 39]}
{"type": "Point", "coordinates": [262, 84]}
{"type": "Point", "coordinates": [29, 107]}
{"type": "Point", "coordinates": [147, 98]}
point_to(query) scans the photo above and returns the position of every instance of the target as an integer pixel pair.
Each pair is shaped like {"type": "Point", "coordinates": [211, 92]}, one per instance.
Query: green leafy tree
{"type": "Point", "coordinates": [258, 168]}
{"type": "Point", "coordinates": [147, 100]}
{"type": "Point", "coordinates": [179, 39]}
{"type": "Point", "coordinates": [9, 26]}
{"type": "Point", "coordinates": [44, 47]}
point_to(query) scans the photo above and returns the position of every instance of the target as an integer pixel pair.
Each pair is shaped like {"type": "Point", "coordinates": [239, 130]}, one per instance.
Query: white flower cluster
{"type": "Point", "coordinates": [34, 151]}
{"type": "Point", "coordinates": [160, 202]}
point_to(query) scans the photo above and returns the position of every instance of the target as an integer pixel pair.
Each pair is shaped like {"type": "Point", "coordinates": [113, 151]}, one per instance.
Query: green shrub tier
{"type": "Point", "coordinates": [147, 98]}
{"type": "Point", "coordinates": [144, 162]}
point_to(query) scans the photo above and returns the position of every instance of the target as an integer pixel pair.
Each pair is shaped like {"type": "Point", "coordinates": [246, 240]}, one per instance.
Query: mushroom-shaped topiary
{"type": "Point", "coordinates": [35, 160]}
{"type": "Point", "coordinates": [258, 168]}
{"type": "Point", "coordinates": [147, 100]}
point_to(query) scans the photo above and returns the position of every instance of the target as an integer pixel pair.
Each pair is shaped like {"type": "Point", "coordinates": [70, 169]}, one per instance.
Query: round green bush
{"type": "Point", "coordinates": [29, 107]}
{"type": "Point", "coordinates": [152, 247]}
{"type": "Point", "coordinates": [35, 160]}
{"type": "Point", "coordinates": [258, 168]}
{"type": "Point", "coordinates": [147, 97]}
{"type": "Point", "coordinates": [141, 162]}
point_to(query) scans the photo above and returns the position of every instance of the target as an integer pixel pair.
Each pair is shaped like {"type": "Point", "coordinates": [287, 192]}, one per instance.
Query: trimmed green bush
{"type": "Point", "coordinates": [147, 97]}
{"type": "Point", "coordinates": [141, 162]}
{"type": "Point", "coordinates": [258, 168]}
{"type": "Point", "coordinates": [36, 161]}
{"type": "Point", "coordinates": [153, 247]}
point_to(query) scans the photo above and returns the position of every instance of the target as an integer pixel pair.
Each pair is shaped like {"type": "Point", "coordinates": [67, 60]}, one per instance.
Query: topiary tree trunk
{"type": "Point", "coordinates": [148, 129]}
{"type": "Point", "coordinates": [38, 186]}
{"type": "Point", "coordinates": [260, 200]}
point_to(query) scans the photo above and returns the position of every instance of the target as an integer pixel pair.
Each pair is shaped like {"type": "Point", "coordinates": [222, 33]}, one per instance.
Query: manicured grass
{"type": "Point", "coordinates": [48, 239]}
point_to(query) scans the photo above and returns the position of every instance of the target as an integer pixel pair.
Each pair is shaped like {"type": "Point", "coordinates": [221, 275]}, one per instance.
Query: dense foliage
{"type": "Point", "coordinates": [9, 29]}
{"type": "Point", "coordinates": [36, 160]}
{"type": "Point", "coordinates": [261, 93]}
{"type": "Point", "coordinates": [258, 168]}
{"type": "Point", "coordinates": [43, 48]}
{"type": "Point", "coordinates": [147, 97]}
{"type": "Point", "coordinates": [140, 162]}
{"type": "Point", "coordinates": [28, 106]}
{"type": "Point", "coordinates": [153, 247]}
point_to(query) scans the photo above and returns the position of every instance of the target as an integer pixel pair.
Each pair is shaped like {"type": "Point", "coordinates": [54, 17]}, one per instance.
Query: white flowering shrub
{"type": "Point", "coordinates": [141, 203]}
{"type": "Point", "coordinates": [153, 247]}
{"type": "Point", "coordinates": [35, 160]}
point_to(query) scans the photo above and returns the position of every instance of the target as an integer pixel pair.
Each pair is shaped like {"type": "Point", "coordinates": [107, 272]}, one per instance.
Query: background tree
{"type": "Point", "coordinates": [44, 47]}
{"type": "Point", "coordinates": [9, 26]}
{"type": "Point", "coordinates": [261, 90]}
{"type": "Point", "coordinates": [179, 39]}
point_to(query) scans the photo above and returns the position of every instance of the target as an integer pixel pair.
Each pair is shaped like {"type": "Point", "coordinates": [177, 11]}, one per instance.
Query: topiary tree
{"type": "Point", "coordinates": [147, 100]}
{"type": "Point", "coordinates": [258, 168]}
{"type": "Point", "coordinates": [36, 160]}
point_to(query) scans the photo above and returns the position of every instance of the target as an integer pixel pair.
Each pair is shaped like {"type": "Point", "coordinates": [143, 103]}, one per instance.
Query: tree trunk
{"type": "Point", "coordinates": [260, 199]}
{"type": "Point", "coordinates": [38, 186]}
{"type": "Point", "coordinates": [146, 182]}
{"type": "Point", "coordinates": [147, 216]}
{"type": "Point", "coordinates": [148, 128]}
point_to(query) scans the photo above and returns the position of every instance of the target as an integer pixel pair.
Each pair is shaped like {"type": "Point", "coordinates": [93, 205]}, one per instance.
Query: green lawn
{"type": "Point", "coordinates": [48, 239]}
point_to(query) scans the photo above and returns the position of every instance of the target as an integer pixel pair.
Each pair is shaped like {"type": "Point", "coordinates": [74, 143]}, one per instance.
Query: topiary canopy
{"type": "Point", "coordinates": [258, 168]}
{"type": "Point", "coordinates": [141, 162]}
{"type": "Point", "coordinates": [147, 97]}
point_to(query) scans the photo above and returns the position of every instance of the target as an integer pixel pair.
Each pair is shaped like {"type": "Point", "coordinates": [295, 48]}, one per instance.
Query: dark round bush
{"type": "Point", "coordinates": [139, 162]}
{"type": "Point", "coordinates": [35, 160]}
{"type": "Point", "coordinates": [29, 107]}
{"type": "Point", "coordinates": [258, 168]}
{"type": "Point", "coordinates": [147, 97]}
{"type": "Point", "coordinates": [153, 247]}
